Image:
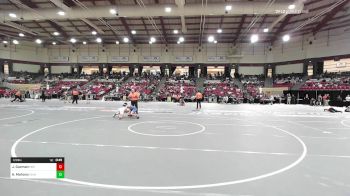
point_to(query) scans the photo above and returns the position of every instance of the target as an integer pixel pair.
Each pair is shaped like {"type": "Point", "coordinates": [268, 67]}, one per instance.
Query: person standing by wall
{"type": "Point", "coordinates": [289, 99]}
{"type": "Point", "coordinates": [75, 94]}
{"type": "Point", "coordinates": [134, 98]}
{"type": "Point", "coordinates": [43, 96]}
{"type": "Point", "coordinates": [199, 97]}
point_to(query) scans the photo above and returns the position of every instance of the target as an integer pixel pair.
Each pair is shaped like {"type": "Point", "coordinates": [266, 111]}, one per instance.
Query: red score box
{"type": "Point", "coordinates": [60, 166]}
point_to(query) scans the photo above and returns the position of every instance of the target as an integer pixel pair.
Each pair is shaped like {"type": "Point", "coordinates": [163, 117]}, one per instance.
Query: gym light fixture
{"type": "Point", "coordinates": [38, 41]}
{"type": "Point", "coordinates": [113, 11]}
{"type": "Point", "coordinates": [126, 40]}
{"type": "Point", "coordinates": [98, 40]}
{"type": "Point", "coordinates": [12, 15]}
{"type": "Point", "coordinates": [286, 38]}
{"type": "Point", "coordinates": [211, 38]}
{"type": "Point", "coordinates": [228, 7]}
{"type": "Point", "coordinates": [168, 9]}
{"type": "Point", "coordinates": [291, 7]}
{"type": "Point", "coordinates": [73, 40]}
{"type": "Point", "coordinates": [153, 39]}
{"type": "Point", "coordinates": [61, 13]}
{"type": "Point", "coordinates": [254, 38]}
{"type": "Point", "coordinates": [181, 39]}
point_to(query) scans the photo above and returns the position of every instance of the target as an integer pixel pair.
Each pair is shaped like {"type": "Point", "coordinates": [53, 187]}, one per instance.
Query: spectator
{"type": "Point", "coordinates": [43, 95]}
{"type": "Point", "coordinates": [289, 99]}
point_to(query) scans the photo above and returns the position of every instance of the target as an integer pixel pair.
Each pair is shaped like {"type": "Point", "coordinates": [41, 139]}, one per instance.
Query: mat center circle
{"type": "Point", "coordinates": [166, 128]}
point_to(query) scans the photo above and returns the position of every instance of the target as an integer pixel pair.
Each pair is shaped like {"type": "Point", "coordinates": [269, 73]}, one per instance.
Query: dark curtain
{"type": "Point", "coordinates": [227, 72]}
{"type": "Point", "coordinates": [172, 70]}
{"type": "Point", "coordinates": [191, 71]}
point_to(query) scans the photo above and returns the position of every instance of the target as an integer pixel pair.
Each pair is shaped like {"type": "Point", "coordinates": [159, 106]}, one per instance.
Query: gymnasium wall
{"type": "Point", "coordinates": [24, 52]}
{"type": "Point", "coordinates": [31, 68]}
{"type": "Point", "coordinates": [291, 68]}
{"type": "Point", "coordinates": [322, 46]}
{"type": "Point", "coordinates": [57, 69]}
{"type": "Point", "coordinates": [298, 48]}
{"type": "Point", "coordinates": [155, 53]}
{"type": "Point", "coordinates": [251, 70]}
{"type": "Point", "coordinates": [343, 65]}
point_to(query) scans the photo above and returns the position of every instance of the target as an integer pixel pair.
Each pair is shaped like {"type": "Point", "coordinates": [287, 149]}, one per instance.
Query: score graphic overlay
{"type": "Point", "coordinates": [37, 167]}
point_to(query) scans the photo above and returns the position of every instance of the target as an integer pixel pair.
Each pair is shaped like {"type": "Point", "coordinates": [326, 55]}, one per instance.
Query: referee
{"type": "Point", "coordinates": [134, 98]}
{"type": "Point", "coordinates": [199, 98]}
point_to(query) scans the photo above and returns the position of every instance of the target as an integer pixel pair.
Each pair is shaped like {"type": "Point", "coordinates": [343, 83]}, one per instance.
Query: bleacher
{"type": "Point", "coordinates": [221, 89]}
{"type": "Point", "coordinates": [328, 81]}
{"type": "Point", "coordinates": [23, 78]}
{"type": "Point", "coordinates": [252, 84]}
{"type": "Point", "coordinates": [176, 87]}
{"type": "Point", "coordinates": [287, 80]}
{"type": "Point", "coordinates": [98, 89]}
{"type": "Point", "coordinates": [145, 84]}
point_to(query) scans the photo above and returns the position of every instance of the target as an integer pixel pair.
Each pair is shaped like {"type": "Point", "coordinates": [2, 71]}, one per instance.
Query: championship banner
{"type": "Point", "coordinates": [216, 58]}
{"type": "Point", "coordinates": [340, 64]}
{"type": "Point", "coordinates": [151, 59]}
{"type": "Point", "coordinates": [117, 59]}
{"type": "Point", "coordinates": [183, 59]}
{"type": "Point", "coordinates": [88, 59]}
{"type": "Point", "coordinates": [59, 59]}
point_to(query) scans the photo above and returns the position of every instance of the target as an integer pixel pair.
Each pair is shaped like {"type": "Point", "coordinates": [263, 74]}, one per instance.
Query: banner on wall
{"type": "Point", "coordinates": [151, 59]}
{"type": "Point", "coordinates": [183, 59]}
{"type": "Point", "coordinates": [116, 59]}
{"type": "Point", "coordinates": [88, 59]}
{"type": "Point", "coordinates": [216, 58]}
{"type": "Point", "coordinates": [340, 64]}
{"type": "Point", "coordinates": [60, 59]}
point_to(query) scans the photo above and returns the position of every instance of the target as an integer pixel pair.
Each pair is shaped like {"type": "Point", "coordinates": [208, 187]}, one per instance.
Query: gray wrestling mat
{"type": "Point", "coordinates": [221, 150]}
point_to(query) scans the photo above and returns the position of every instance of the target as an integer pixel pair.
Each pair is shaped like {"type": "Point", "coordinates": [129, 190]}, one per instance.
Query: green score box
{"type": "Point", "coordinates": [60, 174]}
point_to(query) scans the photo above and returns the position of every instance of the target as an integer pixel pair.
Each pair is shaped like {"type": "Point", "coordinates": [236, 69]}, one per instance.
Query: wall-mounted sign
{"type": "Point", "coordinates": [340, 64]}
{"type": "Point", "coordinates": [116, 59]}
{"type": "Point", "coordinates": [151, 59]}
{"type": "Point", "coordinates": [59, 59]}
{"type": "Point", "coordinates": [88, 59]}
{"type": "Point", "coordinates": [216, 58]}
{"type": "Point", "coordinates": [183, 59]}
